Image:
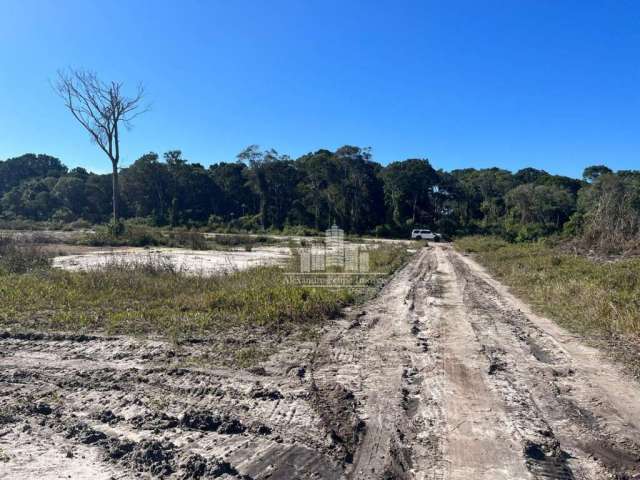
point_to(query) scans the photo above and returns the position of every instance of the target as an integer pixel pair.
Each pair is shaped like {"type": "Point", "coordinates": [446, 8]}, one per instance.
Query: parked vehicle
{"type": "Point", "coordinates": [421, 234]}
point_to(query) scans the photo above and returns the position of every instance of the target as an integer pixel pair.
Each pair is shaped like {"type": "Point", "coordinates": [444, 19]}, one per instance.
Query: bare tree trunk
{"type": "Point", "coordinates": [100, 107]}
{"type": "Point", "coordinates": [116, 194]}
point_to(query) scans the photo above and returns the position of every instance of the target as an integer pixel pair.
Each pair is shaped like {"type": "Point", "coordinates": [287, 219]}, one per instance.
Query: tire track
{"type": "Point", "coordinates": [441, 376]}
{"type": "Point", "coordinates": [569, 428]}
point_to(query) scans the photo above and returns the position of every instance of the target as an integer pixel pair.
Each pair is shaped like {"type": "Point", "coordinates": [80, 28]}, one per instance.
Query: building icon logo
{"type": "Point", "coordinates": [335, 263]}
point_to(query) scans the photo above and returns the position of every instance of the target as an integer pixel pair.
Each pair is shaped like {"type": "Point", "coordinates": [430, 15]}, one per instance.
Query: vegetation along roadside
{"type": "Point", "coordinates": [154, 298]}
{"type": "Point", "coordinates": [595, 298]}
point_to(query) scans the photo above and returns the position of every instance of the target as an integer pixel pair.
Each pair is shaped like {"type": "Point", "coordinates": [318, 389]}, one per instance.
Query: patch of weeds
{"type": "Point", "coordinates": [585, 296]}
{"type": "Point", "coordinates": [250, 356]}
{"type": "Point", "coordinates": [148, 297]}
{"type": "Point", "coordinates": [242, 241]}
{"type": "Point", "coordinates": [19, 256]}
{"type": "Point", "coordinates": [131, 236]}
{"type": "Point", "coordinates": [4, 457]}
{"type": "Point", "coordinates": [188, 239]}
{"type": "Point", "coordinates": [388, 258]}
{"type": "Point", "coordinates": [308, 333]}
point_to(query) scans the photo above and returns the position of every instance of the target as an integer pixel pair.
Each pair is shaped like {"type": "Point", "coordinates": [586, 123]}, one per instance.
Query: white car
{"type": "Point", "coordinates": [425, 235]}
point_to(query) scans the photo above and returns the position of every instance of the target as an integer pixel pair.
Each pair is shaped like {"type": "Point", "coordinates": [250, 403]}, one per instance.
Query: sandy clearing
{"type": "Point", "coordinates": [205, 262]}
{"type": "Point", "coordinates": [201, 262]}
{"type": "Point", "coordinates": [444, 375]}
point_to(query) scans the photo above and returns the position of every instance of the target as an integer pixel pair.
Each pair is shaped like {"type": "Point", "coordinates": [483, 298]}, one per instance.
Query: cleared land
{"type": "Point", "coordinates": [443, 375]}
{"type": "Point", "coordinates": [193, 261]}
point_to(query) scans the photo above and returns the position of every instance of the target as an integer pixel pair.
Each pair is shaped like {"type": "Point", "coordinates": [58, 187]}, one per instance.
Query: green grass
{"type": "Point", "coordinates": [141, 300]}
{"type": "Point", "coordinates": [585, 296]}
{"type": "Point", "coordinates": [244, 316]}
{"type": "Point", "coordinates": [387, 258]}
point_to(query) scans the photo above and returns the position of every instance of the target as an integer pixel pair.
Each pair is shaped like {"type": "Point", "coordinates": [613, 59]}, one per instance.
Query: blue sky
{"type": "Point", "coordinates": [553, 84]}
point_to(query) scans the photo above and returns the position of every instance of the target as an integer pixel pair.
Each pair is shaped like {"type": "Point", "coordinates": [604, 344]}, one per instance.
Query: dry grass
{"type": "Point", "coordinates": [588, 297]}
{"type": "Point", "coordinates": [21, 256]}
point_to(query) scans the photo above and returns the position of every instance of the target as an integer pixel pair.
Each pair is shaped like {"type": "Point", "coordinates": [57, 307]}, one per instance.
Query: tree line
{"type": "Point", "coordinates": [264, 190]}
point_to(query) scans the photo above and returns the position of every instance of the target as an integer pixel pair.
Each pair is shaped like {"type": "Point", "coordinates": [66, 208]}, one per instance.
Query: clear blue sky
{"type": "Point", "coordinates": [553, 84]}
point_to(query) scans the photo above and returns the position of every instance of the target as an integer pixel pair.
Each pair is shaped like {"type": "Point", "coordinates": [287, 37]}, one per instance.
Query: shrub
{"type": "Point", "coordinates": [609, 212]}
{"type": "Point", "coordinates": [188, 239]}
{"type": "Point", "coordinates": [133, 236]}
{"type": "Point", "coordinates": [240, 240]}
{"type": "Point", "coordinates": [80, 225]}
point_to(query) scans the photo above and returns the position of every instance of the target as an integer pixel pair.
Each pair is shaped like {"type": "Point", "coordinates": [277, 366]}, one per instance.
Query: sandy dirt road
{"type": "Point", "coordinates": [444, 375]}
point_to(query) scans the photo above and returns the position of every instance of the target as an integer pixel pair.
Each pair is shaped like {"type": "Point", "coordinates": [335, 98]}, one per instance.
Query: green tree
{"type": "Point", "coordinates": [408, 188]}
{"type": "Point", "coordinates": [70, 192]}
{"type": "Point", "coordinates": [14, 171]}
{"type": "Point", "coordinates": [273, 178]}
{"type": "Point", "coordinates": [594, 171]}
{"type": "Point", "coordinates": [238, 199]}
{"type": "Point", "coordinates": [146, 188]}
{"type": "Point", "coordinates": [544, 207]}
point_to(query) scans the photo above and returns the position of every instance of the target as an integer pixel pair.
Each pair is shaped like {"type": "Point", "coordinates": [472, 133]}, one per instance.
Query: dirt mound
{"type": "Point", "coordinates": [212, 422]}
{"type": "Point", "coordinates": [154, 421]}
{"type": "Point", "coordinates": [151, 456]}
{"type": "Point", "coordinates": [264, 393]}
{"type": "Point", "coordinates": [196, 467]}
{"type": "Point", "coordinates": [84, 434]}
{"type": "Point", "coordinates": [107, 416]}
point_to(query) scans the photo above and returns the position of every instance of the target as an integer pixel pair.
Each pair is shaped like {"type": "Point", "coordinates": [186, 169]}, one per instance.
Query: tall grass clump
{"type": "Point", "coordinates": [188, 239]}
{"type": "Point", "coordinates": [586, 296]}
{"type": "Point", "coordinates": [21, 256]}
{"type": "Point", "coordinates": [387, 258]}
{"type": "Point", "coordinates": [131, 236]}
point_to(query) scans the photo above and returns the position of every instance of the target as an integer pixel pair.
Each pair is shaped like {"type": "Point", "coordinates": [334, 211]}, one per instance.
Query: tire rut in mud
{"type": "Point", "coordinates": [116, 408]}
{"type": "Point", "coordinates": [534, 376]}
{"type": "Point", "coordinates": [368, 364]}
{"type": "Point", "coordinates": [424, 380]}
{"type": "Point", "coordinates": [367, 402]}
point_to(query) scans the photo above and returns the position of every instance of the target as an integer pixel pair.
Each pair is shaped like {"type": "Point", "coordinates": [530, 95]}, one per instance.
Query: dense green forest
{"type": "Point", "coordinates": [267, 190]}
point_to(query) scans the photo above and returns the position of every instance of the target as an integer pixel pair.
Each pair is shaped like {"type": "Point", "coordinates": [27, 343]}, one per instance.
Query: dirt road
{"type": "Point", "coordinates": [444, 375]}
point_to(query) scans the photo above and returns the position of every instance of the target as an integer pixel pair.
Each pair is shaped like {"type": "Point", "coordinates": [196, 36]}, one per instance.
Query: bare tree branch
{"type": "Point", "coordinates": [100, 108]}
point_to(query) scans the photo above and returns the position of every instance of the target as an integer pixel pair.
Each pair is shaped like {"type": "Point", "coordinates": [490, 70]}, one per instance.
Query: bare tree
{"type": "Point", "coordinates": [101, 108]}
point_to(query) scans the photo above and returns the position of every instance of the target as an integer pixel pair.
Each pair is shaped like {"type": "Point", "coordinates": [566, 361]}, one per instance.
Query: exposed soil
{"type": "Point", "coordinates": [198, 262]}
{"type": "Point", "coordinates": [444, 375]}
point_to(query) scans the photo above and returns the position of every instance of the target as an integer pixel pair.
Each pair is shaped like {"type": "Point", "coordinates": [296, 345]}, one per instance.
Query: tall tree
{"type": "Point", "coordinates": [145, 188]}
{"type": "Point", "coordinates": [594, 171]}
{"type": "Point", "coordinates": [408, 187]}
{"type": "Point", "coordinates": [101, 108]}
{"type": "Point", "coordinates": [231, 180]}
{"type": "Point", "coordinates": [319, 171]}
{"type": "Point", "coordinates": [273, 178]}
